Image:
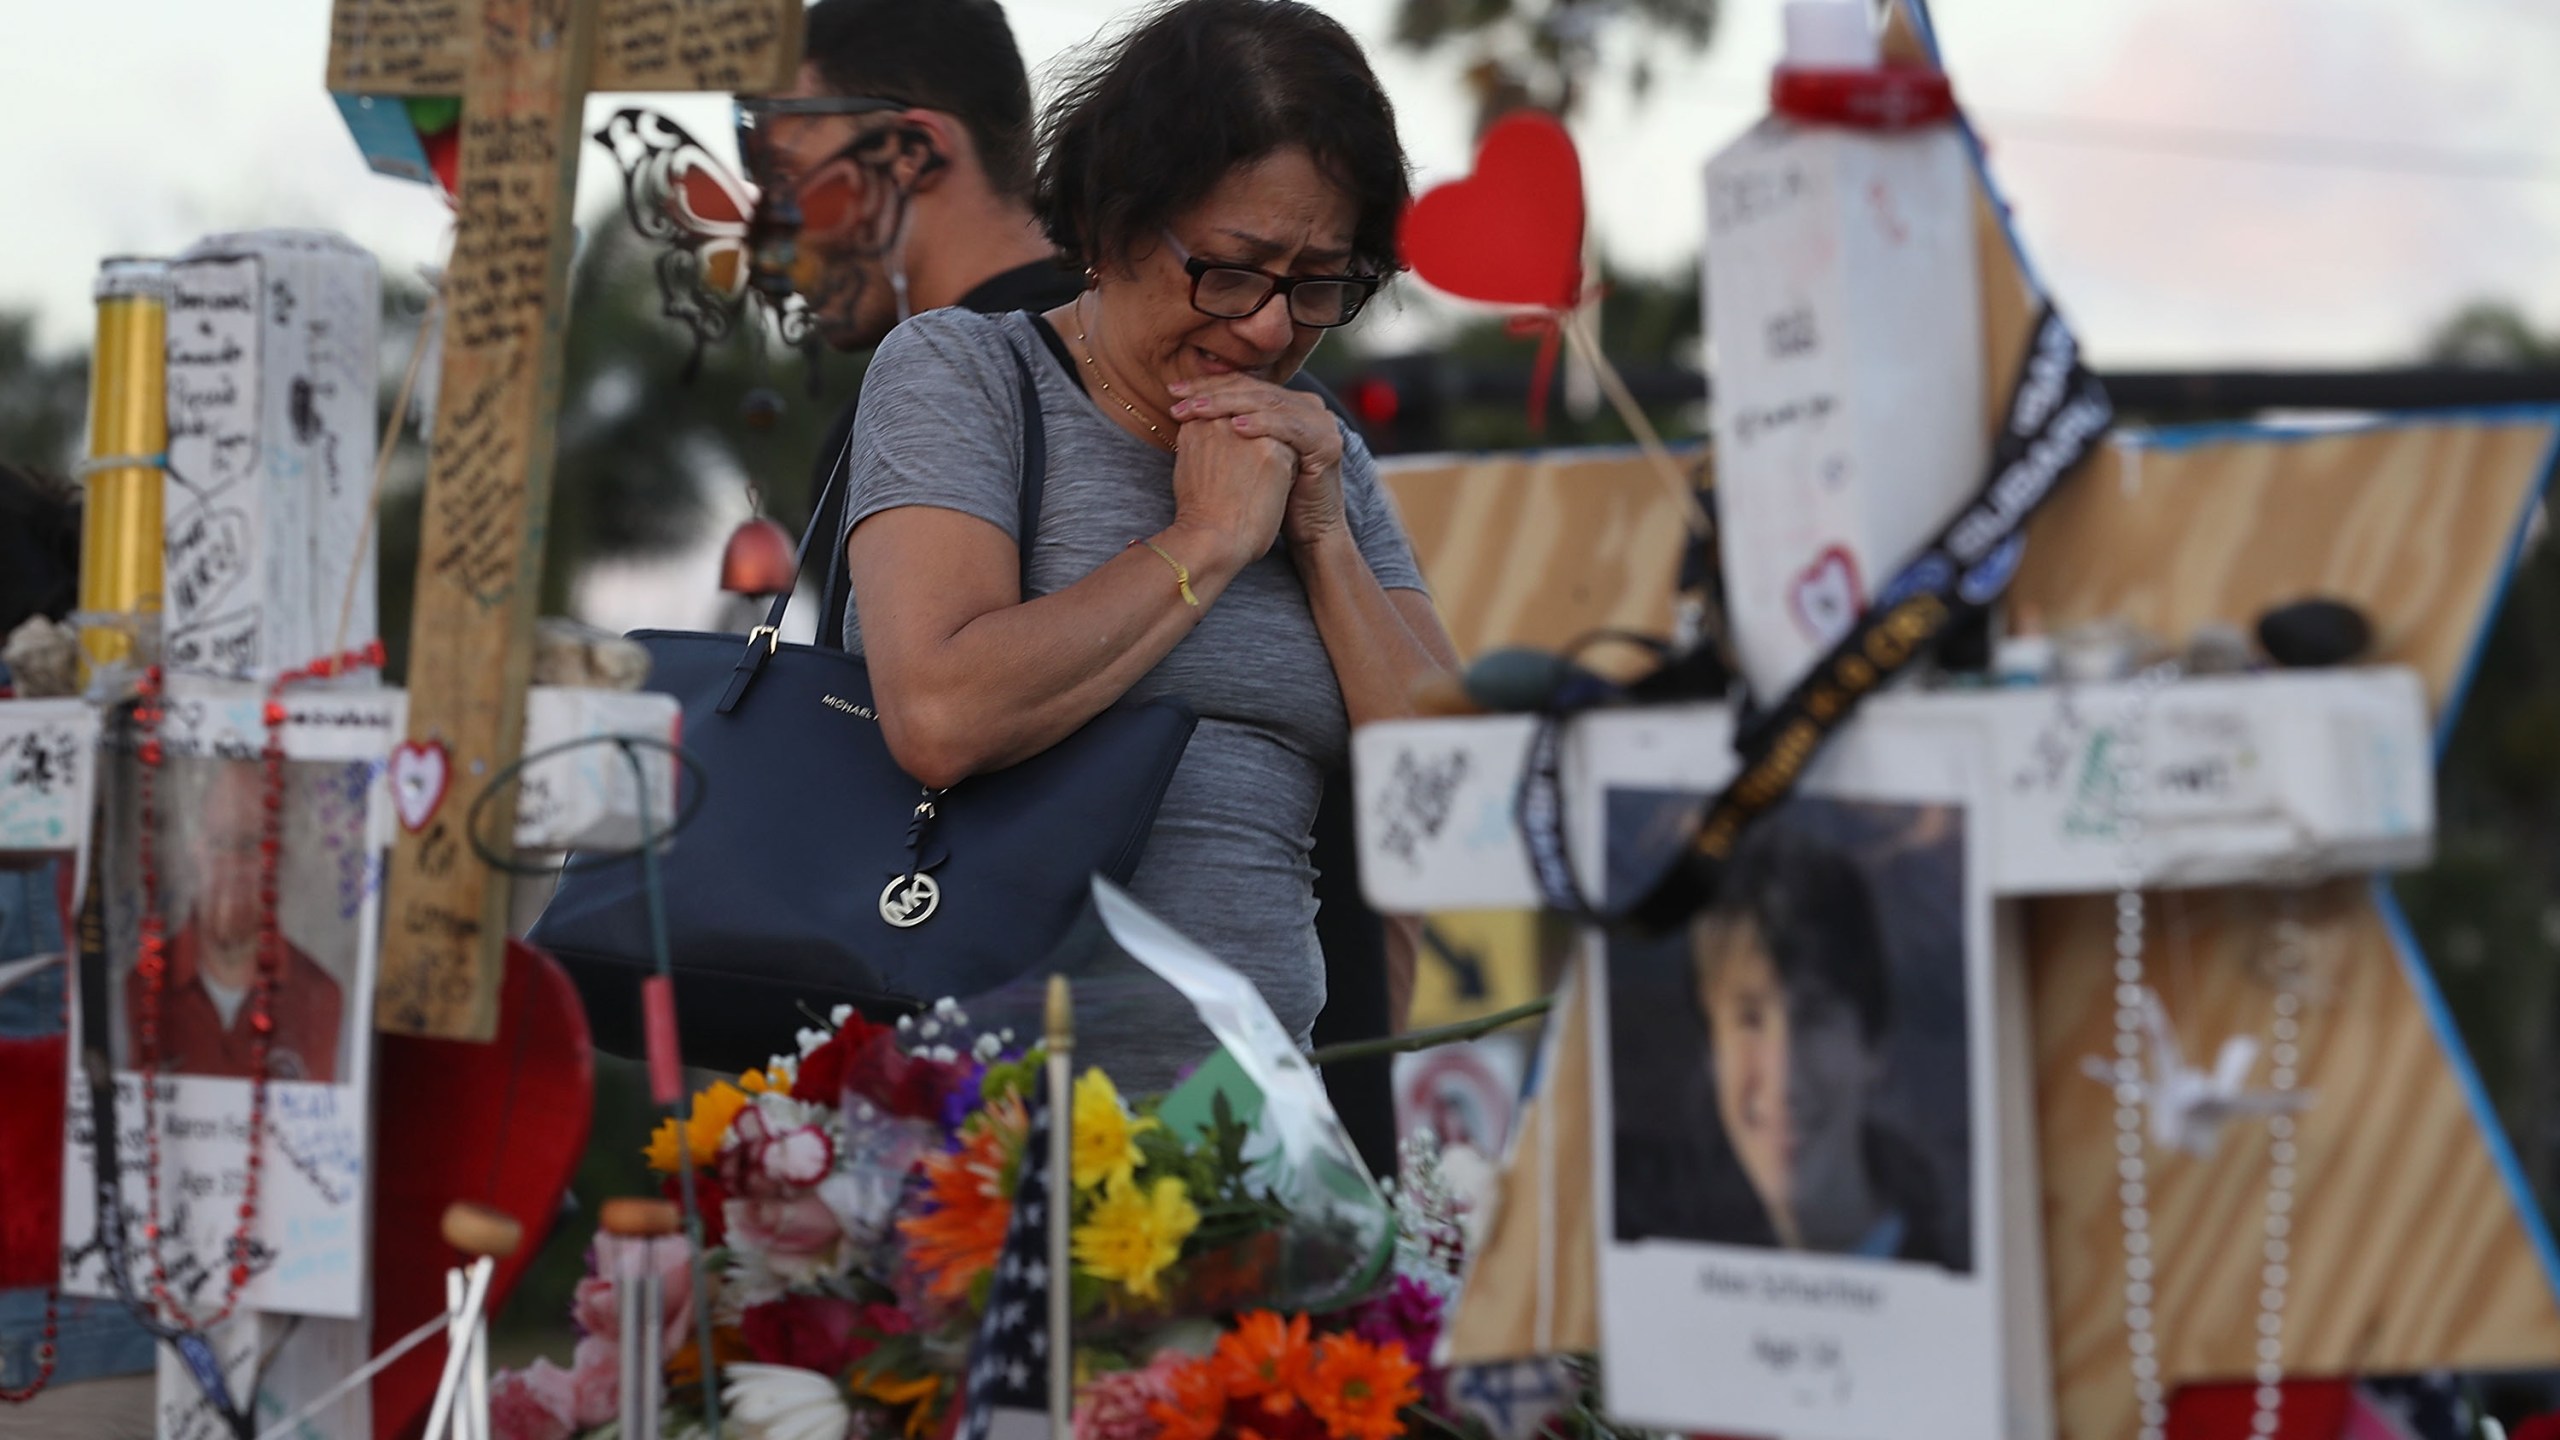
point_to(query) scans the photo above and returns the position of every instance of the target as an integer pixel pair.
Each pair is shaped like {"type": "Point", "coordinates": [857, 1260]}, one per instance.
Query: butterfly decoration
{"type": "Point", "coordinates": [2190, 1106]}
{"type": "Point", "coordinates": [722, 249]}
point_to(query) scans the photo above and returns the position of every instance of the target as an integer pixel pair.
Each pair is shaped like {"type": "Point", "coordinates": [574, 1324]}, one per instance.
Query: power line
{"type": "Point", "coordinates": [2268, 148]}
{"type": "Point", "coordinates": [2206, 142]}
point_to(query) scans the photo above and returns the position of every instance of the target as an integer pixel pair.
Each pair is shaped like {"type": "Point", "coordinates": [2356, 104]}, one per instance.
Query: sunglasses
{"type": "Point", "coordinates": [1232, 292]}
{"type": "Point", "coordinates": [755, 114]}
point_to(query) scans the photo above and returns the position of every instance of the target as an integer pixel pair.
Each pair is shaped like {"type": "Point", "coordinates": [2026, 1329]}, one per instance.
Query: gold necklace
{"type": "Point", "coordinates": [1087, 346]}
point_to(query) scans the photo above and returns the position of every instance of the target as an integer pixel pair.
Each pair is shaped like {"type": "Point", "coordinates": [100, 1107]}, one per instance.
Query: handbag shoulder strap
{"type": "Point", "coordinates": [765, 638]}
{"type": "Point", "coordinates": [1035, 469]}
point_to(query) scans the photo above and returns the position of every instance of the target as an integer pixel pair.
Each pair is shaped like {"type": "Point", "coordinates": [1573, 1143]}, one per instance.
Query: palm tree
{"type": "Point", "coordinates": [43, 401]}
{"type": "Point", "coordinates": [1543, 52]}
{"type": "Point", "coordinates": [642, 449]}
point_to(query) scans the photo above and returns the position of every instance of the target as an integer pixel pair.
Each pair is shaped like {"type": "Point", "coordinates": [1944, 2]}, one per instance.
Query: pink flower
{"type": "Point", "coordinates": [535, 1403]}
{"type": "Point", "coordinates": [1113, 1405]}
{"type": "Point", "coordinates": [767, 1157]}
{"type": "Point", "coordinates": [597, 1306]}
{"type": "Point", "coordinates": [797, 1240]}
{"type": "Point", "coordinates": [1407, 1315]}
{"type": "Point", "coordinates": [595, 1382]}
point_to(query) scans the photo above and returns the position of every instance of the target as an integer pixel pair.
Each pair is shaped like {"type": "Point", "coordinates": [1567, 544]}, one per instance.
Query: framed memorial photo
{"type": "Point", "coordinates": [1795, 1114]}
{"type": "Point", "coordinates": [208, 800]}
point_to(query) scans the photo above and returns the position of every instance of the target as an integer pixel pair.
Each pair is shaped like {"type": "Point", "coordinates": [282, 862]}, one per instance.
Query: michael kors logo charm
{"type": "Point", "coordinates": [910, 901]}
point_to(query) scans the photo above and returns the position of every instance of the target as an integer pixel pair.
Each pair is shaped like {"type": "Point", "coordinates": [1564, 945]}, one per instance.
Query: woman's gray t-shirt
{"type": "Point", "coordinates": [939, 423]}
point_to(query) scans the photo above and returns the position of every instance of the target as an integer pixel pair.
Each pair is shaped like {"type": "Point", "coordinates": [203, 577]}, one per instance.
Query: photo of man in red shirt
{"type": "Point", "coordinates": [207, 1005]}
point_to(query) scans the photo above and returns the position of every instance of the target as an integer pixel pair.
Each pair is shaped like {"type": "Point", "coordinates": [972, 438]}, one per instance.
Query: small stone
{"type": "Point", "coordinates": [2217, 648]}
{"type": "Point", "coordinates": [2308, 634]}
{"type": "Point", "coordinates": [1516, 678]}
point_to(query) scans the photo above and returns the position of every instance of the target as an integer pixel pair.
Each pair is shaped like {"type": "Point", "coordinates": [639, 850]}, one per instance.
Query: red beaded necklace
{"type": "Point", "coordinates": [154, 968]}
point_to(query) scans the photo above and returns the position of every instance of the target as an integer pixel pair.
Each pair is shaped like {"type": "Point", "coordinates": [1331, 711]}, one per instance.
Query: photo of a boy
{"type": "Point", "coordinates": [1757, 1056]}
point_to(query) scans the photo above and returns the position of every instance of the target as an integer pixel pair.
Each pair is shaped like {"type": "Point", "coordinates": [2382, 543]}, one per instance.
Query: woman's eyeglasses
{"type": "Point", "coordinates": [1232, 292]}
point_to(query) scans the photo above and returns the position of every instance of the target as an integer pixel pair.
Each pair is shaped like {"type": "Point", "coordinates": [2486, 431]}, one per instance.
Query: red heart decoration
{"type": "Point", "coordinates": [503, 1124]}
{"type": "Point", "coordinates": [1511, 233]}
{"type": "Point", "coordinates": [420, 771]}
{"type": "Point", "coordinates": [1828, 596]}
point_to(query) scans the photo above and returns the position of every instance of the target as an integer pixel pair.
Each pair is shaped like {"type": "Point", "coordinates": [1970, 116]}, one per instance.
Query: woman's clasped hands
{"type": "Point", "coordinates": [1265, 455]}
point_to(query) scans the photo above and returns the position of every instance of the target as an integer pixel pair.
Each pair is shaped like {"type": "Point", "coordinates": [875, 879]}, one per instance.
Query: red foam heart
{"type": "Point", "coordinates": [503, 1124]}
{"type": "Point", "coordinates": [1511, 233]}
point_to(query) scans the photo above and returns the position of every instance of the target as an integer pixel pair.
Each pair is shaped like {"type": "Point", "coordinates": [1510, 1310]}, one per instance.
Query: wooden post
{"type": "Point", "coordinates": [522, 68]}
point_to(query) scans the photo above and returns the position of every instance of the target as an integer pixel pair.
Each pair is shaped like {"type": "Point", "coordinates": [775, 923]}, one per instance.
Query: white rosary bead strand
{"type": "Point", "coordinates": [2132, 1172]}
{"type": "Point", "coordinates": [2284, 1057]}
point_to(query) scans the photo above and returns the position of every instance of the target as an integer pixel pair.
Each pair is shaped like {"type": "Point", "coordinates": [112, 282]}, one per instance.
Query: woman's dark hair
{"type": "Point", "coordinates": [1815, 914]}
{"type": "Point", "coordinates": [1147, 128]}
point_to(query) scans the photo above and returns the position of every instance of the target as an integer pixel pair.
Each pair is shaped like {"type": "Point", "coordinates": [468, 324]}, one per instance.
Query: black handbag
{"type": "Point", "coordinates": [815, 872]}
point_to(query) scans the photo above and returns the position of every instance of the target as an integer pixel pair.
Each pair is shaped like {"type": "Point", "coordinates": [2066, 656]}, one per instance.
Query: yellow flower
{"type": "Point", "coordinates": [713, 1109]}
{"type": "Point", "coordinates": [1106, 1139]}
{"type": "Point", "coordinates": [775, 1077]}
{"type": "Point", "coordinates": [1133, 1234]}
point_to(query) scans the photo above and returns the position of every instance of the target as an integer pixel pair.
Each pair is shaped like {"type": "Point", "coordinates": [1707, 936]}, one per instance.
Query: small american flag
{"type": "Point", "coordinates": [1009, 1361]}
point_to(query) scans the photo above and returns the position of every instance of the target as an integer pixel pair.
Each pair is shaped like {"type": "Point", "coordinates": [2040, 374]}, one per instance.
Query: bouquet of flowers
{"type": "Point", "coordinates": [857, 1195]}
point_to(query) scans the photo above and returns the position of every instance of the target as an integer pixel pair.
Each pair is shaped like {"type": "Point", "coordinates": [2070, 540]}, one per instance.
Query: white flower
{"type": "Point", "coordinates": [906, 1023]}
{"type": "Point", "coordinates": [810, 1040]}
{"type": "Point", "coordinates": [929, 1029]}
{"type": "Point", "coordinates": [947, 1008]}
{"type": "Point", "coordinates": [783, 1402]}
{"type": "Point", "coordinates": [870, 1177]}
{"type": "Point", "coordinates": [839, 1015]}
{"type": "Point", "coordinates": [1471, 1180]}
{"type": "Point", "coordinates": [987, 1048]}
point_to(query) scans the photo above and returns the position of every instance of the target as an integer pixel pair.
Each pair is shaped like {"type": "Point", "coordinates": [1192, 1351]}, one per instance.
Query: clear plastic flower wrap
{"type": "Point", "coordinates": [1295, 1220]}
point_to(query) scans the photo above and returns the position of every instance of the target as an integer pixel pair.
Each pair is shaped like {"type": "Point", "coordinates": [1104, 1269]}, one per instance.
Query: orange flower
{"type": "Point", "coordinates": [960, 1234]}
{"type": "Point", "coordinates": [728, 1345]}
{"type": "Point", "coordinates": [1356, 1388]}
{"type": "Point", "coordinates": [1263, 1356]}
{"type": "Point", "coordinates": [1199, 1404]}
{"type": "Point", "coordinates": [923, 1392]}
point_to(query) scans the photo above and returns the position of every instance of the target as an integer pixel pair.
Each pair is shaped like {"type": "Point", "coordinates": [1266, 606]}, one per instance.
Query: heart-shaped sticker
{"type": "Point", "coordinates": [1511, 233]}
{"type": "Point", "coordinates": [1827, 596]}
{"type": "Point", "coordinates": [419, 772]}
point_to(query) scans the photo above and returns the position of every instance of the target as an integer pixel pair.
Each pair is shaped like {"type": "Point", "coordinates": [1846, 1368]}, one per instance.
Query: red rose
{"type": "Point", "coordinates": [821, 1077]}
{"type": "Point", "coordinates": [713, 1197]}
{"type": "Point", "coordinates": [897, 1081]}
{"type": "Point", "coordinates": [867, 1060]}
{"type": "Point", "coordinates": [812, 1332]}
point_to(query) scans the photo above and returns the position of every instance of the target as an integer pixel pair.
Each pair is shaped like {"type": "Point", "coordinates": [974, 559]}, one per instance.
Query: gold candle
{"type": "Point", "coordinates": [128, 436]}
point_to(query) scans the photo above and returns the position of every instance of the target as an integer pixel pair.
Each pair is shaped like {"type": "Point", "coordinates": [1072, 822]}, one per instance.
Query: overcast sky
{"type": "Point", "coordinates": [2200, 181]}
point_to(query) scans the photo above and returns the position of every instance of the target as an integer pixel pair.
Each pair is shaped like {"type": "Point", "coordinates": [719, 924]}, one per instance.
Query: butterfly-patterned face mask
{"type": "Point", "coordinates": [727, 242]}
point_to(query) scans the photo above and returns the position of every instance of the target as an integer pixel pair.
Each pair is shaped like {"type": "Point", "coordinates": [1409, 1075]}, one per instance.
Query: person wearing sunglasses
{"type": "Point", "coordinates": [900, 167]}
{"type": "Point", "coordinates": [1228, 177]}
{"type": "Point", "coordinates": [898, 177]}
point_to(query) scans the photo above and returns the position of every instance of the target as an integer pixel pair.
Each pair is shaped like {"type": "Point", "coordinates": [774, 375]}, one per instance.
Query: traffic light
{"type": "Point", "coordinates": [1400, 403]}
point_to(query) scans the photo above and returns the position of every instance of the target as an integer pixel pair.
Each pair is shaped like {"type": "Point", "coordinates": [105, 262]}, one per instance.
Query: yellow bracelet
{"type": "Point", "coordinates": [1181, 572]}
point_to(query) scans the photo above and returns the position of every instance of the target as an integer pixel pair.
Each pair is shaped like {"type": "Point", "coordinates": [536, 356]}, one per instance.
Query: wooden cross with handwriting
{"type": "Point", "coordinates": [522, 68]}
